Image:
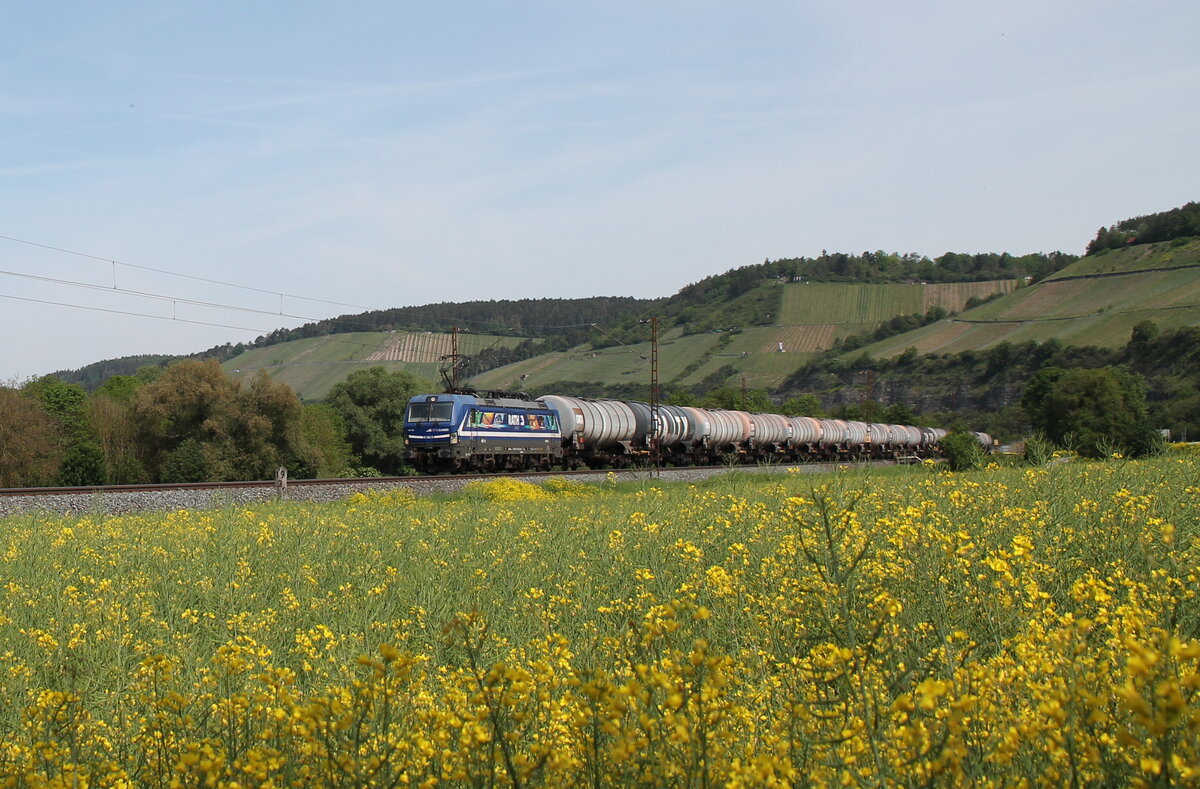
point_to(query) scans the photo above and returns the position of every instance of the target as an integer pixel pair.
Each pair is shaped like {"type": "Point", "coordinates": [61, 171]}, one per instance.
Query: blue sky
{"type": "Point", "coordinates": [385, 154]}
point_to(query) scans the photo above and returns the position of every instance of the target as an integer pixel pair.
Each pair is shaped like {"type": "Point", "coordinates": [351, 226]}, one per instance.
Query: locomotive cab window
{"type": "Point", "coordinates": [430, 412]}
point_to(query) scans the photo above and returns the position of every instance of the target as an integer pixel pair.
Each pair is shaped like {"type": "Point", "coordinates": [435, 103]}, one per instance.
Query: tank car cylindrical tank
{"type": "Point", "coordinates": [771, 429]}
{"type": "Point", "coordinates": [881, 435]}
{"type": "Point", "coordinates": [856, 434]}
{"type": "Point", "coordinates": [906, 436]}
{"type": "Point", "coordinates": [596, 424]}
{"type": "Point", "coordinates": [985, 441]}
{"type": "Point", "coordinates": [699, 425]}
{"type": "Point", "coordinates": [672, 423]}
{"type": "Point", "coordinates": [726, 428]}
{"type": "Point", "coordinates": [806, 431]}
{"type": "Point", "coordinates": [835, 433]}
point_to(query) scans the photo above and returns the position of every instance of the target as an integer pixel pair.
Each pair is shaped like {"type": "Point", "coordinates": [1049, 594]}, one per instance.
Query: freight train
{"type": "Point", "coordinates": [493, 431]}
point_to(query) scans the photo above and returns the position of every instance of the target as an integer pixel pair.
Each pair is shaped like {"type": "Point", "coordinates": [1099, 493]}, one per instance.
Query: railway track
{"type": "Point", "coordinates": [117, 499]}
{"type": "Point", "coordinates": [365, 482]}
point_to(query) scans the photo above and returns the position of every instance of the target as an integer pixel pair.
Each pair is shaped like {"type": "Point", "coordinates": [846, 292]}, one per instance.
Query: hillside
{"type": "Point", "coordinates": [1095, 301]}
{"type": "Point", "coordinates": [761, 323]}
{"type": "Point", "coordinates": [566, 321]}
{"type": "Point", "coordinates": [810, 318]}
{"type": "Point", "coordinates": [312, 366]}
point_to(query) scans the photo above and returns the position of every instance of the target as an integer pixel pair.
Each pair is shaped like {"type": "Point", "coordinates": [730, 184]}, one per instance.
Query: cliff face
{"type": "Point", "coordinates": [921, 396]}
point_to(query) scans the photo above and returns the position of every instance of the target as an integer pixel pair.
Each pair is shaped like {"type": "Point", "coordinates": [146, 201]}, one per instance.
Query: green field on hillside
{"type": "Point", "coordinates": [1165, 254]}
{"type": "Point", "coordinates": [814, 315]}
{"type": "Point", "coordinates": [312, 366]}
{"type": "Point", "coordinates": [613, 365]}
{"type": "Point", "coordinates": [1097, 301]}
{"type": "Point", "coordinates": [839, 303]}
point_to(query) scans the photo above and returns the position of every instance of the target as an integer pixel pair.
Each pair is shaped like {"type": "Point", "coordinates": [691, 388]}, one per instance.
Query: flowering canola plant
{"type": "Point", "coordinates": [1002, 627]}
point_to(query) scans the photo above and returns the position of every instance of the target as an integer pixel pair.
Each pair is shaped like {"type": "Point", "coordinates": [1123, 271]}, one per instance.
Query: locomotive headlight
{"type": "Point", "coordinates": [454, 438]}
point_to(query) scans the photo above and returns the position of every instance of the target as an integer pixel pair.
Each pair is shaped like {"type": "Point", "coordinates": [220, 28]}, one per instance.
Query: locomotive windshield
{"type": "Point", "coordinates": [430, 412]}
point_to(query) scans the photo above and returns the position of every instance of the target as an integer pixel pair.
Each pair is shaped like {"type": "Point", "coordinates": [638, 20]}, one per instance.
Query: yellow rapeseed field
{"type": "Point", "coordinates": [1006, 627]}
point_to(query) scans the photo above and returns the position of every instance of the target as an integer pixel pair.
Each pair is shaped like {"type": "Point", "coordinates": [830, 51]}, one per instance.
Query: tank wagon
{"type": "Point", "coordinates": [458, 431]}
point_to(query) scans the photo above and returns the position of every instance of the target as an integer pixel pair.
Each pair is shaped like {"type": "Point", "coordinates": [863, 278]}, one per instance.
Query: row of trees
{"type": "Point", "coordinates": [191, 422]}
{"type": "Point", "coordinates": [1182, 222]}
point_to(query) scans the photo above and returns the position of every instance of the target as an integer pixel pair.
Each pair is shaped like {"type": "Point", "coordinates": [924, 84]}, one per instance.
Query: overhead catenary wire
{"type": "Point", "coordinates": [428, 310]}
{"type": "Point", "coordinates": [174, 273]}
{"type": "Point", "coordinates": [156, 296]}
{"type": "Point", "coordinates": [127, 312]}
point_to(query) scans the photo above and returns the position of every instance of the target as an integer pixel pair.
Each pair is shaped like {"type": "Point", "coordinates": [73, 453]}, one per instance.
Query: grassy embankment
{"type": "Point", "coordinates": [855, 628]}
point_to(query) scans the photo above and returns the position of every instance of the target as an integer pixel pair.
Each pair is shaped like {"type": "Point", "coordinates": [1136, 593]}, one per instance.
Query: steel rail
{"type": "Point", "coordinates": [367, 481]}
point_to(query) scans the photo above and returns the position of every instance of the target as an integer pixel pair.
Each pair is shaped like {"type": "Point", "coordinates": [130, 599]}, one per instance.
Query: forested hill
{"type": "Point", "coordinates": [522, 318]}
{"type": "Point", "coordinates": [1182, 222]}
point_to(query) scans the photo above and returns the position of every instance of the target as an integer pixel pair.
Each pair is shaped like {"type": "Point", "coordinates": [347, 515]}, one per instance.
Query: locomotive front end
{"type": "Point", "coordinates": [461, 432]}
{"type": "Point", "coordinates": [431, 424]}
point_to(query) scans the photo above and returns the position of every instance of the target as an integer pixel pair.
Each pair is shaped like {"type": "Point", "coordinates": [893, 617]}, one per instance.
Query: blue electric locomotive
{"type": "Point", "coordinates": [456, 432]}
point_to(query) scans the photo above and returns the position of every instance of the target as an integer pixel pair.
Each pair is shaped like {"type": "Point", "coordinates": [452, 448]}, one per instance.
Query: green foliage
{"type": "Point", "coordinates": [1036, 395]}
{"type": "Point", "coordinates": [737, 399]}
{"type": "Point", "coordinates": [83, 464]}
{"type": "Point", "coordinates": [82, 460]}
{"type": "Point", "coordinates": [1094, 410]}
{"type": "Point", "coordinates": [326, 434]}
{"type": "Point", "coordinates": [30, 445]}
{"type": "Point", "coordinates": [891, 267]}
{"type": "Point", "coordinates": [111, 419]}
{"type": "Point", "coordinates": [1143, 333]}
{"type": "Point", "coordinates": [897, 325]}
{"type": "Point", "coordinates": [806, 404]}
{"type": "Point", "coordinates": [899, 414]}
{"type": "Point", "coordinates": [1180, 222]}
{"type": "Point", "coordinates": [242, 433]}
{"type": "Point", "coordinates": [65, 402]}
{"type": "Point", "coordinates": [120, 388]}
{"type": "Point", "coordinates": [187, 462]}
{"type": "Point", "coordinates": [862, 411]}
{"type": "Point", "coordinates": [682, 397]}
{"type": "Point", "coordinates": [1038, 450]}
{"type": "Point", "coordinates": [371, 404]}
{"type": "Point", "coordinates": [963, 451]}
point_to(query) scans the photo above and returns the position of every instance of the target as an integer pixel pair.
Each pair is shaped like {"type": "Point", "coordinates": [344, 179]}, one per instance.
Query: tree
{"type": "Point", "coordinates": [807, 404]}
{"type": "Point", "coordinates": [83, 461]}
{"type": "Point", "coordinates": [119, 387]}
{"type": "Point", "coordinates": [1096, 410]}
{"type": "Point", "coordinates": [899, 414]}
{"type": "Point", "coordinates": [190, 400]}
{"type": "Point", "coordinates": [326, 434]}
{"type": "Point", "coordinates": [238, 433]}
{"type": "Point", "coordinates": [112, 421]}
{"type": "Point", "coordinates": [270, 432]}
{"type": "Point", "coordinates": [83, 464]}
{"type": "Point", "coordinates": [732, 398]}
{"type": "Point", "coordinates": [371, 403]}
{"type": "Point", "coordinates": [963, 451]}
{"type": "Point", "coordinates": [682, 397]}
{"type": "Point", "coordinates": [65, 402]}
{"type": "Point", "coordinates": [1143, 333]}
{"type": "Point", "coordinates": [30, 448]}
{"type": "Point", "coordinates": [1034, 398]}
{"type": "Point", "coordinates": [187, 462]}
